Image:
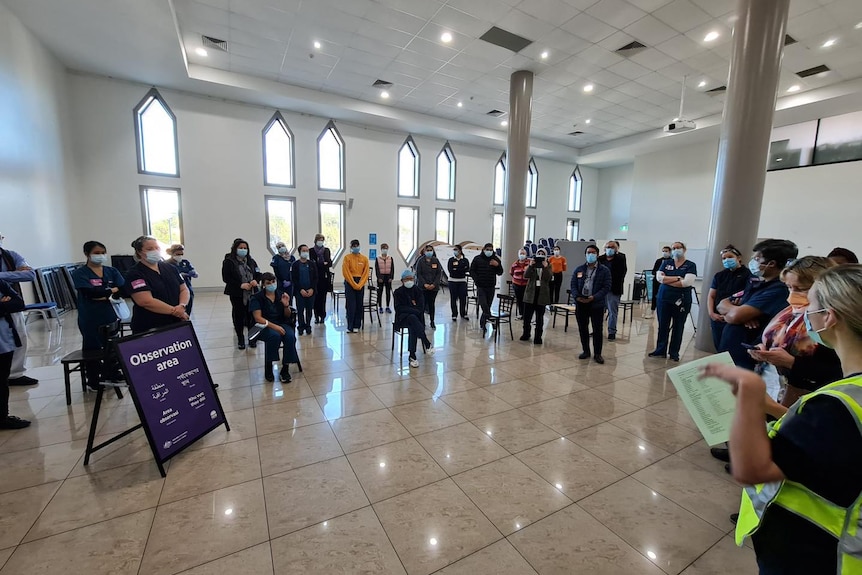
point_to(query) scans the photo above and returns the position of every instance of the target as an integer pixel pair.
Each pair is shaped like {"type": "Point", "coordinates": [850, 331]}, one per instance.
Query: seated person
{"type": "Point", "coordinates": [270, 309]}
{"type": "Point", "coordinates": [409, 314]}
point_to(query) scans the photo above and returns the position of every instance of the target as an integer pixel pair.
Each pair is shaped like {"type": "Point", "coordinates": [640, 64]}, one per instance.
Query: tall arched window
{"type": "Point", "coordinates": [277, 153]}
{"type": "Point", "coordinates": [330, 159]}
{"type": "Point", "coordinates": [532, 184]}
{"type": "Point", "coordinates": [500, 181]}
{"type": "Point", "coordinates": [156, 136]}
{"type": "Point", "coordinates": [575, 191]}
{"type": "Point", "coordinates": [408, 169]}
{"type": "Point", "coordinates": [446, 173]}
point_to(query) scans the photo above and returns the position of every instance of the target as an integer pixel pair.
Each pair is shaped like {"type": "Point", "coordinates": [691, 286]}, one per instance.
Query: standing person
{"type": "Point", "coordinates": [519, 283]}
{"type": "Point", "coordinates": [843, 256]}
{"type": "Point", "coordinates": [241, 275]}
{"type": "Point", "coordinates": [615, 261]}
{"type": "Point", "coordinates": [484, 270]}
{"type": "Point", "coordinates": [321, 256]}
{"type": "Point", "coordinates": [270, 309]}
{"type": "Point", "coordinates": [355, 270]}
{"type": "Point", "coordinates": [537, 295]}
{"type": "Point", "coordinates": [303, 276]}
{"type": "Point", "coordinates": [187, 271]}
{"type": "Point", "coordinates": [11, 303]}
{"type": "Point", "coordinates": [159, 293]}
{"type": "Point", "coordinates": [96, 283]}
{"type": "Point", "coordinates": [429, 274]}
{"type": "Point", "coordinates": [384, 269]}
{"type": "Point", "coordinates": [558, 266]}
{"type": "Point", "coordinates": [15, 270]}
{"type": "Point", "coordinates": [729, 281]}
{"type": "Point", "coordinates": [676, 277]}
{"type": "Point", "coordinates": [410, 314]}
{"type": "Point", "coordinates": [281, 264]}
{"type": "Point", "coordinates": [665, 255]}
{"type": "Point", "coordinates": [458, 266]}
{"type": "Point", "coordinates": [591, 283]}
{"type": "Point", "coordinates": [765, 296]}
{"type": "Point", "coordinates": [800, 506]}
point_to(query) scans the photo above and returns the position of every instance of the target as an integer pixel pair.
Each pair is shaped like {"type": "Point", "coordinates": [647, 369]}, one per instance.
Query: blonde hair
{"type": "Point", "coordinates": [175, 247]}
{"type": "Point", "coordinates": [807, 268]}
{"type": "Point", "coordinates": [840, 289]}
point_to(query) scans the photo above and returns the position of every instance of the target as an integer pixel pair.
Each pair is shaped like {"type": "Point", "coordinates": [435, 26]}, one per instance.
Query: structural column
{"type": "Point", "coordinates": [517, 161]}
{"type": "Point", "coordinates": [740, 175]}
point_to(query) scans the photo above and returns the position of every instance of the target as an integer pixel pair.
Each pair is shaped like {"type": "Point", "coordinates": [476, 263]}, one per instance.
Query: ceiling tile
{"type": "Point", "coordinates": [458, 21]}
{"type": "Point", "coordinates": [422, 9]}
{"type": "Point", "coordinates": [561, 40]}
{"type": "Point", "coordinates": [810, 24]}
{"type": "Point", "coordinates": [390, 18]}
{"type": "Point", "coordinates": [580, 67]}
{"type": "Point", "coordinates": [632, 89]}
{"type": "Point", "coordinates": [652, 59]}
{"type": "Point", "coordinates": [655, 80]}
{"type": "Point", "coordinates": [682, 15]}
{"type": "Point", "coordinates": [846, 11]}
{"type": "Point", "coordinates": [705, 61]}
{"type": "Point", "coordinates": [719, 8]}
{"type": "Point", "coordinates": [588, 28]}
{"type": "Point", "coordinates": [607, 78]}
{"type": "Point", "coordinates": [629, 70]}
{"type": "Point", "coordinates": [649, 5]}
{"type": "Point", "coordinates": [600, 57]}
{"type": "Point", "coordinates": [525, 25]}
{"type": "Point", "coordinates": [650, 31]}
{"type": "Point", "coordinates": [616, 13]}
{"type": "Point", "coordinates": [553, 12]}
{"type": "Point", "coordinates": [681, 47]}
{"type": "Point", "coordinates": [616, 41]}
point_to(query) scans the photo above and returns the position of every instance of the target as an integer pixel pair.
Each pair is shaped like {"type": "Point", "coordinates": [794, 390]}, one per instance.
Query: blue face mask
{"type": "Point", "coordinates": [754, 268]}
{"type": "Point", "coordinates": [99, 259]}
{"type": "Point", "coordinates": [282, 250]}
{"type": "Point", "coordinates": [489, 253]}
{"type": "Point", "coordinates": [677, 253]}
{"type": "Point", "coordinates": [665, 255]}
{"type": "Point", "coordinates": [271, 287]}
{"type": "Point", "coordinates": [522, 257]}
{"type": "Point", "coordinates": [153, 256]}
{"type": "Point", "coordinates": [354, 250]}
{"type": "Point", "coordinates": [429, 254]}
{"type": "Point", "coordinates": [812, 333]}
{"type": "Point", "coordinates": [610, 252]}
{"type": "Point", "coordinates": [303, 255]}
{"type": "Point", "coordinates": [729, 264]}
{"type": "Point", "coordinates": [241, 252]}
{"type": "Point", "coordinates": [592, 258]}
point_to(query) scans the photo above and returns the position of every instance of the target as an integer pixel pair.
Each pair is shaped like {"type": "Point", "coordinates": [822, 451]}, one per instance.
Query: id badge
{"type": "Point", "coordinates": [538, 283]}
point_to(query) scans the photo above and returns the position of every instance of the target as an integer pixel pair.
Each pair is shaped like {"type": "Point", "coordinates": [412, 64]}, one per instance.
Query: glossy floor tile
{"type": "Point", "coordinates": [490, 458]}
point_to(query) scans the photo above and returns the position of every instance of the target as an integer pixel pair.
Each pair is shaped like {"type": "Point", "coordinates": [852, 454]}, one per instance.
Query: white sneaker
{"type": "Point", "coordinates": [430, 349]}
{"type": "Point", "coordinates": [648, 315]}
{"type": "Point", "coordinates": [414, 362]}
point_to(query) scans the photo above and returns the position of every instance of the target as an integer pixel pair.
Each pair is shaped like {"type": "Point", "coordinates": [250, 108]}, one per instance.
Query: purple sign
{"type": "Point", "coordinates": [172, 388]}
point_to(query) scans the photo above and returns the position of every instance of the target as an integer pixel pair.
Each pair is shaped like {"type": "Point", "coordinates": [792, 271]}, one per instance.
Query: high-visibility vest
{"type": "Point", "coordinates": [843, 523]}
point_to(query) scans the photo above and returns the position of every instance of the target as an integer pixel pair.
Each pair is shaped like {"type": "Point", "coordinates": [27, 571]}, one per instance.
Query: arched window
{"type": "Point", "coordinates": [500, 181]}
{"type": "Point", "coordinates": [446, 173]}
{"type": "Point", "coordinates": [532, 184]}
{"type": "Point", "coordinates": [280, 222]}
{"type": "Point", "coordinates": [408, 231]}
{"type": "Point", "coordinates": [330, 159]}
{"type": "Point", "coordinates": [277, 153]}
{"type": "Point", "coordinates": [575, 191]}
{"type": "Point", "coordinates": [529, 229]}
{"type": "Point", "coordinates": [445, 231]}
{"type": "Point", "coordinates": [332, 225]}
{"type": "Point", "coordinates": [156, 136]}
{"type": "Point", "coordinates": [408, 169]}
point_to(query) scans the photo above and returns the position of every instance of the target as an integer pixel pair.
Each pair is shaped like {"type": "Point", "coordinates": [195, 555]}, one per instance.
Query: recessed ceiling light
{"type": "Point", "coordinates": [711, 36]}
{"type": "Point", "coordinates": [829, 43]}
{"type": "Point", "coordinates": [676, 119]}
{"type": "Point", "coordinates": [384, 94]}
{"type": "Point", "coordinates": [858, 26]}
{"type": "Point", "coordinates": [201, 52]}
{"type": "Point", "coordinates": [317, 45]}
{"type": "Point", "coordinates": [545, 55]}
{"type": "Point", "coordinates": [589, 88]}
{"type": "Point", "coordinates": [588, 121]}
{"type": "Point", "coordinates": [504, 123]}
{"type": "Point", "coordinates": [702, 84]}
{"type": "Point", "coordinates": [446, 37]}
{"type": "Point", "coordinates": [794, 88]}
{"type": "Point", "coordinates": [460, 104]}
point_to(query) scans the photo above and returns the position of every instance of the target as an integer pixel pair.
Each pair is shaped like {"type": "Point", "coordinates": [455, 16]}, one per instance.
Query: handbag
{"type": "Point", "coordinates": [121, 308]}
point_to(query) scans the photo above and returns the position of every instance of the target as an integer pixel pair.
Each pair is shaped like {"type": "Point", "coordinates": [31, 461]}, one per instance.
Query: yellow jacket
{"type": "Point", "coordinates": [355, 266]}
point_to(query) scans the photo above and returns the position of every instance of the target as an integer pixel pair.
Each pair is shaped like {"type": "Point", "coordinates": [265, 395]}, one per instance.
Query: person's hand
{"type": "Point", "coordinates": [245, 286]}
{"type": "Point", "coordinates": [429, 287]}
{"type": "Point", "coordinates": [179, 311]}
{"type": "Point", "coordinates": [736, 301]}
{"type": "Point", "coordinates": [185, 316]}
{"type": "Point", "coordinates": [495, 263]}
{"type": "Point", "coordinates": [277, 328]}
{"type": "Point", "coordinates": [752, 324]}
{"type": "Point", "coordinates": [115, 290]}
{"type": "Point", "coordinates": [589, 299]}
{"type": "Point", "coordinates": [716, 317]}
{"type": "Point", "coordinates": [742, 381]}
{"type": "Point", "coordinates": [777, 356]}
{"type": "Point", "coordinates": [285, 300]}
{"type": "Point", "coordinates": [309, 292]}
{"type": "Point", "coordinates": [379, 281]}
{"type": "Point", "coordinates": [253, 283]}
{"type": "Point", "coordinates": [5, 298]}
{"type": "Point", "coordinates": [24, 269]}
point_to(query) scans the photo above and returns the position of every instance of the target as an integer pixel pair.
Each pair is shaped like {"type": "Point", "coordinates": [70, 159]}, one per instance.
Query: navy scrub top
{"type": "Point", "coordinates": [164, 285]}
{"type": "Point", "coordinates": [94, 309]}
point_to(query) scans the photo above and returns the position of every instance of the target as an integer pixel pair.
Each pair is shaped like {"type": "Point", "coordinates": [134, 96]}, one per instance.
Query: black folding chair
{"type": "Point", "coordinates": [371, 306]}
{"type": "Point", "coordinates": [502, 315]}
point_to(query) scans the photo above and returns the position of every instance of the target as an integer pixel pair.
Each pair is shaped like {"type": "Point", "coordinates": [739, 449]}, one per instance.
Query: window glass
{"type": "Point", "coordinates": [277, 153]}
{"type": "Point", "coordinates": [445, 230]}
{"type": "Point", "coordinates": [408, 170]}
{"type": "Point", "coordinates": [500, 182]}
{"type": "Point", "coordinates": [529, 228]}
{"type": "Point", "coordinates": [162, 215]}
{"type": "Point", "coordinates": [157, 137]}
{"type": "Point", "coordinates": [839, 139]}
{"type": "Point", "coordinates": [575, 191]}
{"type": "Point", "coordinates": [330, 160]}
{"type": "Point", "coordinates": [532, 184]}
{"type": "Point", "coordinates": [792, 146]}
{"type": "Point", "coordinates": [280, 223]}
{"type": "Point", "coordinates": [572, 229]}
{"type": "Point", "coordinates": [408, 230]}
{"type": "Point", "coordinates": [497, 231]}
{"type": "Point", "coordinates": [446, 174]}
{"type": "Point", "coordinates": [332, 225]}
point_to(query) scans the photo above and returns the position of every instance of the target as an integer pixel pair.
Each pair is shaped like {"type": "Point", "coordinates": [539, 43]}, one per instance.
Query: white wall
{"type": "Point", "coordinates": [222, 181]}
{"type": "Point", "coordinates": [34, 173]}
{"type": "Point", "coordinates": [614, 200]}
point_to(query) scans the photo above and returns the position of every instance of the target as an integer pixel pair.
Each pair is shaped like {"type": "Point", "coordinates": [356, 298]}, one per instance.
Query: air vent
{"type": "Point", "coordinates": [495, 113]}
{"type": "Point", "coordinates": [788, 40]}
{"type": "Point", "coordinates": [719, 90]}
{"type": "Point", "coordinates": [631, 49]}
{"type": "Point", "coordinates": [504, 39]}
{"type": "Point", "coordinates": [382, 84]}
{"type": "Point", "coordinates": [214, 43]}
{"type": "Point", "coordinates": [813, 71]}
{"type": "Point", "coordinates": [576, 133]}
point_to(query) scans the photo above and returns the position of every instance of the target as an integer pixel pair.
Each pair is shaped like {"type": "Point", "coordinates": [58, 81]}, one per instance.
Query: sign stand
{"type": "Point", "coordinates": [172, 390]}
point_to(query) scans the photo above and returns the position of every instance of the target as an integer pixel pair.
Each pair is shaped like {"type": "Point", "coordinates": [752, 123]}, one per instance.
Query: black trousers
{"type": "Point", "coordinates": [556, 284]}
{"type": "Point", "coordinates": [485, 297]}
{"type": "Point", "coordinates": [586, 314]}
{"type": "Point", "coordinates": [430, 302]}
{"type": "Point", "coordinates": [191, 302]}
{"type": "Point", "coordinates": [519, 297]}
{"type": "Point", "coordinates": [386, 286]}
{"type": "Point", "coordinates": [320, 295]}
{"type": "Point", "coordinates": [415, 331]}
{"type": "Point", "coordinates": [671, 322]}
{"type": "Point", "coordinates": [5, 369]}
{"type": "Point", "coordinates": [458, 298]}
{"type": "Point", "coordinates": [655, 286]}
{"type": "Point", "coordinates": [539, 311]}
{"type": "Point", "coordinates": [240, 315]}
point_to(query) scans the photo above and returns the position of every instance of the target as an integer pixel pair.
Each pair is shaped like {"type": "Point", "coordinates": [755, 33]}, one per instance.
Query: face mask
{"type": "Point", "coordinates": [384, 251]}
{"type": "Point", "coordinates": [282, 250]}
{"type": "Point", "coordinates": [177, 259]}
{"type": "Point", "coordinates": [409, 284]}
{"type": "Point", "coordinates": [665, 255]}
{"type": "Point", "coordinates": [319, 243]}
{"type": "Point", "coordinates": [592, 258]}
{"type": "Point", "coordinates": [270, 287]}
{"type": "Point", "coordinates": [814, 334]}
{"type": "Point", "coordinates": [754, 268]}
{"type": "Point", "coordinates": [354, 250]}
{"type": "Point", "coordinates": [610, 252]}
{"type": "Point", "coordinates": [153, 256]}
{"type": "Point", "coordinates": [457, 254]}
{"type": "Point", "coordinates": [522, 257]}
{"type": "Point", "coordinates": [797, 299]}
{"type": "Point", "coordinates": [729, 264]}
{"type": "Point", "coordinates": [677, 253]}
{"type": "Point", "coordinates": [241, 252]}
{"type": "Point", "coordinates": [429, 254]}
{"type": "Point", "coordinates": [303, 255]}
{"type": "Point", "coordinates": [556, 252]}
{"type": "Point", "coordinates": [488, 253]}
{"type": "Point", "coordinates": [99, 259]}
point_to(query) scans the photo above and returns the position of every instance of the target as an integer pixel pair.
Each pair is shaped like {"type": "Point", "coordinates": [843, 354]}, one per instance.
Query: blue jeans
{"type": "Point", "coordinates": [613, 309]}
{"type": "Point", "coordinates": [354, 301]}
{"type": "Point", "coordinates": [304, 307]}
{"type": "Point", "coordinates": [273, 340]}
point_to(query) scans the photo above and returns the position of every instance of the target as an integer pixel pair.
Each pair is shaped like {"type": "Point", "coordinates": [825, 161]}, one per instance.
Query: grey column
{"type": "Point", "coordinates": [740, 175]}
{"type": "Point", "coordinates": [517, 160]}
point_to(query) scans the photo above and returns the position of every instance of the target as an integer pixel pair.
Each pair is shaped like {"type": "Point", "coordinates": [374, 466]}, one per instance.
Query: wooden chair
{"type": "Point", "coordinates": [567, 310]}
{"type": "Point", "coordinates": [503, 315]}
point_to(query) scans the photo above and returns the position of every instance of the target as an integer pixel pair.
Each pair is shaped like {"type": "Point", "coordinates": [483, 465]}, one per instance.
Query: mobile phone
{"type": "Point", "coordinates": [749, 346]}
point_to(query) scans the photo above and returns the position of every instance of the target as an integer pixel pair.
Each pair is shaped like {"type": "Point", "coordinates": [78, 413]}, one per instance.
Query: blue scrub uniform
{"type": "Point", "coordinates": [94, 309]}
{"type": "Point", "coordinates": [674, 303]}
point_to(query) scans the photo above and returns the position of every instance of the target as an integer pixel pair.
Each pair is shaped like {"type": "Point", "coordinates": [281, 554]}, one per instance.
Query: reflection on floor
{"type": "Point", "coordinates": [487, 459]}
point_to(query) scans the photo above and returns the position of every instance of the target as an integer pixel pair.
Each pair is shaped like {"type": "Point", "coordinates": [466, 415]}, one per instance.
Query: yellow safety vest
{"type": "Point", "coordinates": [843, 523]}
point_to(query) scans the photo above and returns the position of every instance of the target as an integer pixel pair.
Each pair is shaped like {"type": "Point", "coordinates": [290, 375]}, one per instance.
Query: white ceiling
{"type": "Point", "coordinates": [271, 45]}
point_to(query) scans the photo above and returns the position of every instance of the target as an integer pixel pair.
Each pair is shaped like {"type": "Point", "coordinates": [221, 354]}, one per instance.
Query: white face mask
{"type": "Point", "coordinates": [409, 284]}
{"type": "Point", "coordinates": [178, 259]}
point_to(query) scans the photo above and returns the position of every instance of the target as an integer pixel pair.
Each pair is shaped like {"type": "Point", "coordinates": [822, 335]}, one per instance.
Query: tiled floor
{"type": "Point", "coordinates": [493, 459]}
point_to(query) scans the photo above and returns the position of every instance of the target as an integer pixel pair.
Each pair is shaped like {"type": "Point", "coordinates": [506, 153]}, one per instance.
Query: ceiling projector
{"type": "Point", "coordinates": [680, 126]}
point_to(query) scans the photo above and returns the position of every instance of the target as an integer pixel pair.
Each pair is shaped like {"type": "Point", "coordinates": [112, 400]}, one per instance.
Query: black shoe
{"type": "Point", "coordinates": [720, 453]}
{"type": "Point", "coordinates": [612, 336]}
{"type": "Point", "coordinates": [675, 358]}
{"type": "Point", "coordinates": [727, 468]}
{"type": "Point", "coordinates": [12, 422]}
{"type": "Point", "coordinates": [585, 355]}
{"type": "Point", "coordinates": [454, 318]}
{"type": "Point", "coordinates": [23, 380]}
{"type": "Point", "coordinates": [525, 337]}
{"type": "Point", "coordinates": [284, 375]}
{"type": "Point", "coordinates": [657, 354]}
{"type": "Point", "coordinates": [240, 345]}
{"type": "Point", "coordinates": [317, 320]}
{"type": "Point", "coordinates": [734, 517]}
{"type": "Point", "coordinates": [484, 330]}
{"type": "Point", "coordinates": [308, 330]}
{"type": "Point", "coordinates": [267, 375]}
{"type": "Point", "coordinates": [465, 317]}
{"type": "Point", "coordinates": [433, 326]}
{"type": "Point", "coordinates": [599, 359]}
{"type": "Point", "coordinates": [252, 344]}
{"type": "Point", "coordinates": [537, 340]}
